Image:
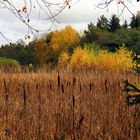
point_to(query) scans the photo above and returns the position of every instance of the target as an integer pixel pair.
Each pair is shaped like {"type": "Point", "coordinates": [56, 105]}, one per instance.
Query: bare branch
{"type": "Point", "coordinates": [105, 3]}
{"type": "Point", "coordinates": [8, 40]}
{"type": "Point", "coordinates": [24, 10]}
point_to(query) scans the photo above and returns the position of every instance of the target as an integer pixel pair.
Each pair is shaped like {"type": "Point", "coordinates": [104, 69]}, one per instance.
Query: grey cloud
{"type": "Point", "coordinates": [78, 16]}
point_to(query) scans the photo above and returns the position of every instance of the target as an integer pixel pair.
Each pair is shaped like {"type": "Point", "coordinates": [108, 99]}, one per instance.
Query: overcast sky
{"type": "Point", "coordinates": [79, 16]}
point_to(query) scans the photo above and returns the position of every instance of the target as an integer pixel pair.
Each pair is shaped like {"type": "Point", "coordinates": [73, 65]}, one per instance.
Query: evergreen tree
{"type": "Point", "coordinates": [125, 25]}
{"type": "Point", "coordinates": [135, 21]}
{"type": "Point", "coordinates": [114, 23]}
{"type": "Point", "coordinates": [102, 23]}
{"type": "Point", "coordinates": [91, 25]}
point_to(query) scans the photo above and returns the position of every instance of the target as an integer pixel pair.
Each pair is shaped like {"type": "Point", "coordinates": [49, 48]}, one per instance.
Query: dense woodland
{"type": "Point", "coordinates": [58, 46]}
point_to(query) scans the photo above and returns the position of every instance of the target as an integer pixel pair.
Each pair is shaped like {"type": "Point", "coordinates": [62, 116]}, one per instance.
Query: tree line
{"type": "Point", "coordinates": [107, 34]}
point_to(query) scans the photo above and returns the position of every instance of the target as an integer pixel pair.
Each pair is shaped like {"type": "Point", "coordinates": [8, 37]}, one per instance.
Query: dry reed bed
{"type": "Point", "coordinates": [72, 106]}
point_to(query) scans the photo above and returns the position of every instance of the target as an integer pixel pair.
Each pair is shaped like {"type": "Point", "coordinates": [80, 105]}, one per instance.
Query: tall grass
{"type": "Point", "coordinates": [67, 106]}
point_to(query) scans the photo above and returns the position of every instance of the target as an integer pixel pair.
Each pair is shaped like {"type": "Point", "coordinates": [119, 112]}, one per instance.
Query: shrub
{"type": "Point", "coordinates": [80, 58]}
{"type": "Point", "coordinates": [63, 60]}
{"type": "Point", "coordinates": [124, 58]}
{"type": "Point", "coordinates": [9, 65]}
{"type": "Point", "coordinates": [88, 57]}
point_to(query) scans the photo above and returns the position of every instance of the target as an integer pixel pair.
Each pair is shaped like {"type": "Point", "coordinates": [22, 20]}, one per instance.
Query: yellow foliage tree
{"type": "Point", "coordinates": [125, 58]}
{"type": "Point", "coordinates": [64, 39]}
{"type": "Point", "coordinates": [63, 60]}
{"type": "Point", "coordinates": [120, 60]}
{"type": "Point", "coordinates": [80, 59]}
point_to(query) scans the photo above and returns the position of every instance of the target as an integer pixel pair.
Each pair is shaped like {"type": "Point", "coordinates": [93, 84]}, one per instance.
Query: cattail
{"type": "Point", "coordinates": [24, 95]}
{"type": "Point", "coordinates": [73, 101]}
{"type": "Point", "coordinates": [62, 87]}
{"type": "Point", "coordinates": [73, 110]}
{"type": "Point", "coordinates": [58, 80]}
{"type": "Point", "coordinates": [74, 81]}
{"type": "Point", "coordinates": [6, 90]}
{"type": "Point", "coordinates": [6, 106]}
{"type": "Point", "coordinates": [25, 115]}
{"type": "Point", "coordinates": [106, 85]}
{"type": "Point", "coordinates": [5, 86]}
{"type": "Point", "coordinates": [80, 121]}
{"type": "Point", "coordinates": [69, 83]}
{"type": "Point", "coordinates": [90, 87]}
{"type": "Point", "coordinates": [138, 81]}
{"type": "Point", "coordinates": [37, 86]}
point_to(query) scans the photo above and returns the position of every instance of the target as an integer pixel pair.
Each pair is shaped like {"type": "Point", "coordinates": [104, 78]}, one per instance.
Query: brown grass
{"type": "Point", "coordinates": [67, 106]}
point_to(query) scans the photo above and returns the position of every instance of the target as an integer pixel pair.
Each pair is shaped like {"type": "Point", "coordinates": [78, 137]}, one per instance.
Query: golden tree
{"type": "Point", "coordinates": [65, 39]}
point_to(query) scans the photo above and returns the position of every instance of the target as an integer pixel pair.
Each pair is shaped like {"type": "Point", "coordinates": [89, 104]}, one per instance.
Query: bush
{"type": "Point", "coordinates": [9, 65]}
{"type": "Point", "coordinates": [80, 58]}
{"type": "Point", "coordinates": [88, 57]}
{"type": "Point", "coordinates": [63, 60]}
